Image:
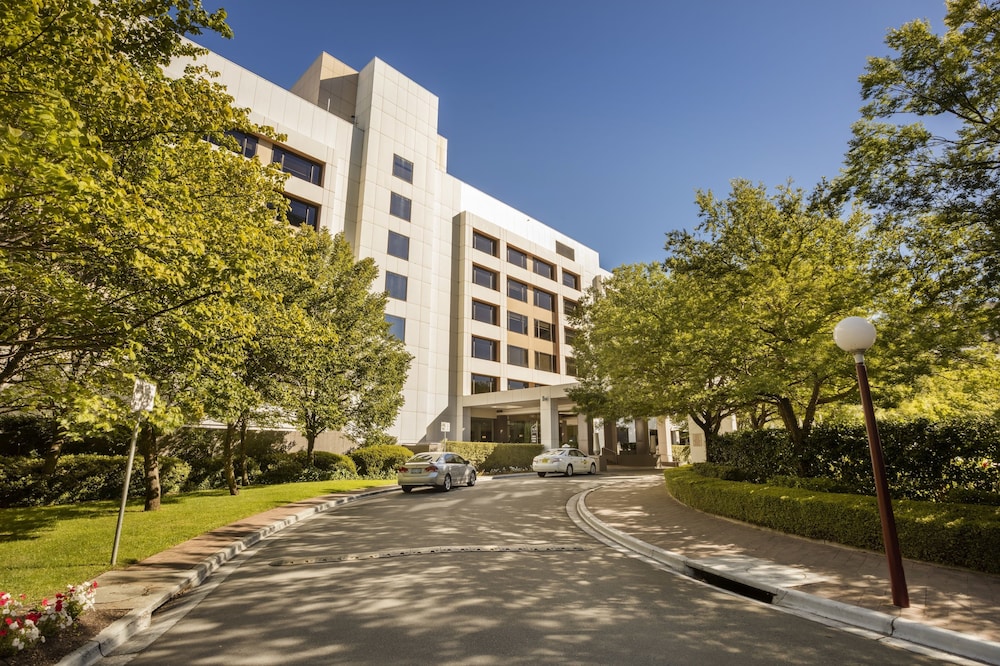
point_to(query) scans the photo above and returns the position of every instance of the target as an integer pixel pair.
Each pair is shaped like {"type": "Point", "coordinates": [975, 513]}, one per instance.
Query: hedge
{"type": "Point", "coordinates": [924, 460]}
{"type": "Point", "coordinates": [379, 461]}
{"type": "Point", "coordinates": [80, 478]}
{"type": "Point", "coordinates": [493, 457]}
{"type": "Point", "coordinates": [962, 535]}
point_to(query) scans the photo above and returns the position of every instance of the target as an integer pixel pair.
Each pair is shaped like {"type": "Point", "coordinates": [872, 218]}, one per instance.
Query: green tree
{"type": "Point", "coordinates": [648, 344]}
{"type": "Point", "coordinates": [346, 371]}
{"type": "Point", "coordinates": [926, 152]}
{"type": "Point", "coordinates": [121, 228]}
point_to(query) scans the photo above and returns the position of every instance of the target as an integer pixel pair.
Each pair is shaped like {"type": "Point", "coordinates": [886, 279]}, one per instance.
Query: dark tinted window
{"type": "Point", "coordinates": [399, 245]}
{"type": "Point", "coordinates": [298, 166]}
{"type": "Point", "coordinates": [402, 169]}
{"type": "Point", "coordinates": [400, 206]}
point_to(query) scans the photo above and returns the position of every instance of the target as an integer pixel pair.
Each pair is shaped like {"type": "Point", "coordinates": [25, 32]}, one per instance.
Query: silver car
{"type": "Point", "coordinates": [565, 461]}
{"type": "Point", "coordinates": [442, 470]}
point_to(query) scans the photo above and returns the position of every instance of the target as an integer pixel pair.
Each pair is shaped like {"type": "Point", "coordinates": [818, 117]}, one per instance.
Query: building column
{"type": "Point", "coordinates": [664, 439]}
{"type": "Point", "coordinates": [548, 416]}
{"type": "Point", "coordinates": [641, 437]}
{"type": "Point", "coordinates": [584, 433]}
{"type": "Point", "coordinates": [610, 439]}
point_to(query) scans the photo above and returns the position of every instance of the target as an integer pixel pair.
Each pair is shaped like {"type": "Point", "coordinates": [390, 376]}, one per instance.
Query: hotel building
{"type": "Point", "coordinates": [478, 291]}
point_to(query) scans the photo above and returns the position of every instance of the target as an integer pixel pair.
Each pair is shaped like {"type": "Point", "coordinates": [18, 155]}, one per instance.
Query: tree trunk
{"type": "Point", "coordinates": [55, 448]}
{"type": "Point", "coordinates": [227, 459]}
{"type": "Point", "coordinates": [151, 465]}
{"type": "Point", "coordinates": [796, 434]}
{"type": "Point", "coordinates": [244, 475]}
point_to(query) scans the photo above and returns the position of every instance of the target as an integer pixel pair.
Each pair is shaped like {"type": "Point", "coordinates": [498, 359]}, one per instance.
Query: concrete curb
{"type": "Point", "coordinates": [883, 624]}
{"type": "Point", "coordinates": [139, 618]}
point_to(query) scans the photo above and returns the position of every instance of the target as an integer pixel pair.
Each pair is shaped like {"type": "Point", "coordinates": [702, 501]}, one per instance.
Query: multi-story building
{"type": "Point", "coordinates": [478, 291]}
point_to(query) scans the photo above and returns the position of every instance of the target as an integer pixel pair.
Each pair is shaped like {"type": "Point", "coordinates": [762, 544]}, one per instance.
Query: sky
{"type": "Point", "coordinates": [604, 119]}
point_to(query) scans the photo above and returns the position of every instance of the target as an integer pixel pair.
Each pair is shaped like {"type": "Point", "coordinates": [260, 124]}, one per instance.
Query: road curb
{"type": "Point", "coordinates": [140, 617]}
{"type": "Point", "coordinates": [882, 624]}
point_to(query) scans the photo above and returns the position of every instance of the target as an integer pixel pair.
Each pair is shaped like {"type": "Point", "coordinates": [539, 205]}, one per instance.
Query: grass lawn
{"type": "Point", "coordinates": [44, 549]}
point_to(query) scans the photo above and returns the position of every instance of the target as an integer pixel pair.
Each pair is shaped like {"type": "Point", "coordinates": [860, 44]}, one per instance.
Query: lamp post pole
{"type": "Point", "coordinates": [856, 335]}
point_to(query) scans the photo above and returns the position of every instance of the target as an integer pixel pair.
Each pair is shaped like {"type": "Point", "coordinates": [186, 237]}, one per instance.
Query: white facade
{"type": "Point", "coordinates": [352, 128]}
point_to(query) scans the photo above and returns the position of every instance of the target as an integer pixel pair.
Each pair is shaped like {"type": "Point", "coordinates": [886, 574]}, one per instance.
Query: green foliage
{"type": "Point", "coordinates": [379, 461]}
{"type": "Point", "coordinates": [924, 460]}
{"type": "Point", "coordinates": [79, 478]}
{"type": "Point", "coordinates": [936, 182]}
{"type": "Point", "coordinates": [345, 371]}
{"type": "Point", "coordinates": [956, 535]}
{"type": "Point", "coordinates": [724, 472]}
{"type": "Point", "coordinates": [493, 458]}
{"type": "Point", "coordinates": [295, 467]}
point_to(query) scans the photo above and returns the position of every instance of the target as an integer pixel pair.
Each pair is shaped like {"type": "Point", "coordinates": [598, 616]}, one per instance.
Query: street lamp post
{"type": "Point", "coordinates": [856, 335]}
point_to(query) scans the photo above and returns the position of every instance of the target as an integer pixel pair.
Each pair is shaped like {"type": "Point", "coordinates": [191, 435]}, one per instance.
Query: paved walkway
{"type": "Point", "coordinates": [640, 508]}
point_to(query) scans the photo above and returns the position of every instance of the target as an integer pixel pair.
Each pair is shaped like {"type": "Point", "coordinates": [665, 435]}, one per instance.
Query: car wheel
{"type": "Point", "coordinates": [569, 470]}
{"type": "Point", "coordinates": [472, 480]}
{"type": "Point", "coordinates": [593, 468]}
{"type": "Point", "coordinates": [542, 474]}
{"type": "Point", "coordinates": [446, 486]}
{"type": "Point", "coordinates": [407, 489]}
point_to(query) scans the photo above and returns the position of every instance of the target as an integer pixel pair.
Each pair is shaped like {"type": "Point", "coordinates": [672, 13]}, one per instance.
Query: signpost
{"type": "Point", "coordinates": [143, 395]}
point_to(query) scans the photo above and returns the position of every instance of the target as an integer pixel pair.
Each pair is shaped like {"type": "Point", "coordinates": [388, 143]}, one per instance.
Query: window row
{"type": "Point", "coordinates": [517, 322]}
{"type": "Point", "coordinates": [491, 246]}
{"type": "Point", "coordinates": [489, 350]}
{"type": "Point", "coordinates": [290, 162]}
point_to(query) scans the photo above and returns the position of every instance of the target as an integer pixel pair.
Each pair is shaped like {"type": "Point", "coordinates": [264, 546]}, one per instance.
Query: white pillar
{"type": "Point", "coordinates": [548, 415]}
{"type": "Point", "coordinates": [664, 439]}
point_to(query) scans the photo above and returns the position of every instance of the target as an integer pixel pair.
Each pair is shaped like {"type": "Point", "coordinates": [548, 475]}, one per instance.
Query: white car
{"type": "Point", "coordinates": [565, 461]}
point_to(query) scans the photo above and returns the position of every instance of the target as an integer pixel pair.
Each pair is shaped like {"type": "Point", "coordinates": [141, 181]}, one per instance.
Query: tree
{"type": "Point", "coordinates": [120, 226]}
{"type": "Point", "coordinates": [346, 370]}
{"type": "Point", "coordinates": [648, 344]}
{"type": "Point", "coordinates": [940, 174]}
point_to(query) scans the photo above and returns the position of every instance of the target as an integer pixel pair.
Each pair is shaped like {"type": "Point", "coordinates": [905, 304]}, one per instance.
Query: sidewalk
{"type": "Point", "coordinates": [960, 609]}
{"type": "Point", "coordinates": [941, 597]}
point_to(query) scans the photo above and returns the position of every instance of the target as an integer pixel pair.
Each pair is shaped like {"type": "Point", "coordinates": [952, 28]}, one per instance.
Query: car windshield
{"type": "Point", "coordinates": [555, 452]}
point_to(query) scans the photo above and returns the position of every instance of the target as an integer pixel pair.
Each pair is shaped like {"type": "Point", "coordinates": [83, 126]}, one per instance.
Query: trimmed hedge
{"type": "Point", "coordinates": [493, 458]}
{"type": "Point", "coordinates": [962, 535]}
{"type": "Point", "coordinates": [295, 467]}
{"type": "Point", "coordinates": [924, 460]}
{"type": "Point", "coordinates": [81, 478]}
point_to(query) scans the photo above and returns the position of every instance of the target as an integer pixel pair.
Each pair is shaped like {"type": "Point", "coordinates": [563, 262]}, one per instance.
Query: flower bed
{"type": "Point", "coordinates": [22, 628]}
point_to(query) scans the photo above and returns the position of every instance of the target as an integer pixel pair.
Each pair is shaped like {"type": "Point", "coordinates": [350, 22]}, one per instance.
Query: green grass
{"type": "Point", "coordinates": [44, 549]}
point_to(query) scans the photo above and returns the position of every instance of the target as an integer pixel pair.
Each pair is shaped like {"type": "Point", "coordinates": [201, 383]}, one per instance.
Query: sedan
{"type": "Point", "coordinates": [564, 461]}
{"type": "Point", "coordinates": [439, 469]}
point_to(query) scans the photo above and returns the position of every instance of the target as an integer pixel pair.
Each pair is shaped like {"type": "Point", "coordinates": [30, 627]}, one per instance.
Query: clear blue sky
{"type": "Point", "coordinates": [603, 118]}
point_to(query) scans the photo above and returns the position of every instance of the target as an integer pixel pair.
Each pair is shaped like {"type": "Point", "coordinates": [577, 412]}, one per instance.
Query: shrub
{"type": "Point", "coordinates": [492, 457]}
{"type": "Point", "coordinates": [952, 534]}
{"type": "Point", "coordinates": [715, 471]}
{"type": "Point", "coordinates": [81, 478]}
{"type": "Point", "coordinates": [295, 467]}
{"type": "Point", "coordinates": [379, 461]}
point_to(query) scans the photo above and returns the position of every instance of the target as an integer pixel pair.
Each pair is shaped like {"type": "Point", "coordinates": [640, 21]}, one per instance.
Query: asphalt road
{"type": "Point", "coordinates": [494, 574]}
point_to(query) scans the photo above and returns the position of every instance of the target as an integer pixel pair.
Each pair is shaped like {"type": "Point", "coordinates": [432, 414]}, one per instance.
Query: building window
{"type": "Point", "coordinates": [544, 269]}
{"type": "Point", "coordinates": [399, 245]}
{"type": "Point", "coordinates": [565, 251]}
{"type": "Point", "coordinates": [400, 206]}
{"type": "Point", "coordinates": [484, 312]}
{"type": "Point", "coordinates": [395, 285]}
{"type": "Point", "coordinates": [546, 362]}
{"type": "Point", "coordinates": [517, 290]}
{"type": "Point", "coordinates": [517, 323]}
{"type": "Point", "coordinates": [402, 169]}
{"type": "Point", "coordinates": [571, 366]}
{"type": "Point", "coordinates": [517, 257]}
{"type": "Point", "coordinates": [544, 300]}
{"type": "Point", "coordinates": [571, 280]}
{"type": "Point", "coordinates": [569, 307]}
{"type": "Point", "coordinates": [484, 243]}
{"type": "Point", "coordinates": [543, 330]}
{"type": "Point", "coordinates": [569, 334]}
{"type": "Point", "coordinates": [484, 277]}
{"type": "Point", "coordinates": [302, 213]}
{"type": "Point", "coordinates": [517, 356]}
{"type": "Point", "coordinates": [397, 326]}
{"type": "Point", "coordinates": [515, 384]}
{"type": "Point", "coordinates": [483, 384]}
{"type": "Point", "coordinates": [484, 349]}
{"type": "Point", "coordinates": [248, 142]}
{"type": "Point", "coordinates": [298, 166]}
